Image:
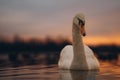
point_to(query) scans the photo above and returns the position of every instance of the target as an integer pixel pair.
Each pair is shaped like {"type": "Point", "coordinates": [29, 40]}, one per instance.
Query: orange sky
{"type": "Point", "coordinates": [102, 40]}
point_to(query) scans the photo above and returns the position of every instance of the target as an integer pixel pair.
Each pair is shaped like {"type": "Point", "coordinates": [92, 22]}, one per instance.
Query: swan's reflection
{"type": "Point", "coordinates": [77, 75]}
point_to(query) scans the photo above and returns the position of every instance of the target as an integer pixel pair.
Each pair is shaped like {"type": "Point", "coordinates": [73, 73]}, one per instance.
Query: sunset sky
{"type": "Point", "coordinates": [42, 18]}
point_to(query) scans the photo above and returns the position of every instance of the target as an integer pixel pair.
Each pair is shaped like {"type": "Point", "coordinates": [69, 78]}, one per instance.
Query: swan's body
{"type": "Point", "coordinates": [79, 56]}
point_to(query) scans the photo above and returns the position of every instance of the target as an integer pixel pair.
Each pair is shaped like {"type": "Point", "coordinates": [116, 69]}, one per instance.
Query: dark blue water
{"type": "Point", "coordinates": [107, 71]}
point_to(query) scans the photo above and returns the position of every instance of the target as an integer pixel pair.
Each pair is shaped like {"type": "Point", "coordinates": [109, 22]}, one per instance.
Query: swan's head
{"type": "Point", "coordinates": [79, 21]}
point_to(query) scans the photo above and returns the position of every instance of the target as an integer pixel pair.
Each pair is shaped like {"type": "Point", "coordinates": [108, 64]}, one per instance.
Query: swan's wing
{"type": "Point", "coordinates": [66, 57]}
{"type": "Point", "coordinates": [88, 51]}
{"type": "Point", "coordinates": [91, 59]}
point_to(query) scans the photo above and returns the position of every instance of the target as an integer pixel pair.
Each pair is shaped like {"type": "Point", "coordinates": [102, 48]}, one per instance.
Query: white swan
{"type": "Point", "coordinates": [79, 56]}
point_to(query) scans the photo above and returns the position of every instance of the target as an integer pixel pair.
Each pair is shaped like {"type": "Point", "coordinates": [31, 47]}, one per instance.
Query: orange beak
{"type": "Point", "coordinates": [82, 30]}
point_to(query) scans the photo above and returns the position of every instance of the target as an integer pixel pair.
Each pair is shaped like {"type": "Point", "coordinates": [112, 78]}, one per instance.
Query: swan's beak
{"type": "Point", "coordinates": [84, 34]}
{"type": "Point", "coordinates": [82, 30]}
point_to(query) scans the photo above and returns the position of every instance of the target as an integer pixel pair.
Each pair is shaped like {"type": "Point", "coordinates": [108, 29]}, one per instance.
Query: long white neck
{"type": "Point", "coordinates": [78, 48]}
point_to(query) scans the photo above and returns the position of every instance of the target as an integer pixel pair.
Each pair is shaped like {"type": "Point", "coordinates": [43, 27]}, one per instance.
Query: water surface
{"type": "Point", "coordinates": [108, 71]}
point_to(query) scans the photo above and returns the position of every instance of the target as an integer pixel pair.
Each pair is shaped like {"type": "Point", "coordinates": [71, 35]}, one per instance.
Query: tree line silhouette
{"type": "Point", "coordinates": [35, 45]}
{"type": "Point", "coordinates": [106, 52]}
{"type": "Point", "coordinates": [19, 45]}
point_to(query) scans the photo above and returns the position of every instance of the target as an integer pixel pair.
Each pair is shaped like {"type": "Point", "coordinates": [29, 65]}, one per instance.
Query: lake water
{"type": "Point", "coordinates": [108, 71]}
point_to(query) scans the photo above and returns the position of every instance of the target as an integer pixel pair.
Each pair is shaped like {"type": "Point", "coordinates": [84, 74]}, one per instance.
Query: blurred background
{"type": "Point", "coordinates": [35, 31]}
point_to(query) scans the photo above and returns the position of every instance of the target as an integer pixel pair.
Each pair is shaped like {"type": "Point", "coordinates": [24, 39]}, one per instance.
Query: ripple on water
{"type": "Point", "coordinates": [107, 71]}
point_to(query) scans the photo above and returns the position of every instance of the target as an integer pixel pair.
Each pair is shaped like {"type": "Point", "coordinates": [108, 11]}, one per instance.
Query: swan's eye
{"type": "Point", "coordinates": [81, 21]}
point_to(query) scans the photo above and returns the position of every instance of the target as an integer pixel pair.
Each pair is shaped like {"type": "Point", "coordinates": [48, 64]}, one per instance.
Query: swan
{"type": "Point", "coordinates": [79, 56]}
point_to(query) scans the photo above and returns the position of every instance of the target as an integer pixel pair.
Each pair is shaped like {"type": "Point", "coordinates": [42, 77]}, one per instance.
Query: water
{"type": "Point", "coordinates": [107, 71]}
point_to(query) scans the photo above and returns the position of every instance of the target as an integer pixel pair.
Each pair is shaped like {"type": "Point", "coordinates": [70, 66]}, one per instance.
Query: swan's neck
{"type": "Point", "coordinates": [77, 40]}
{"type": "Point", "coordinates": [78, 48]}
